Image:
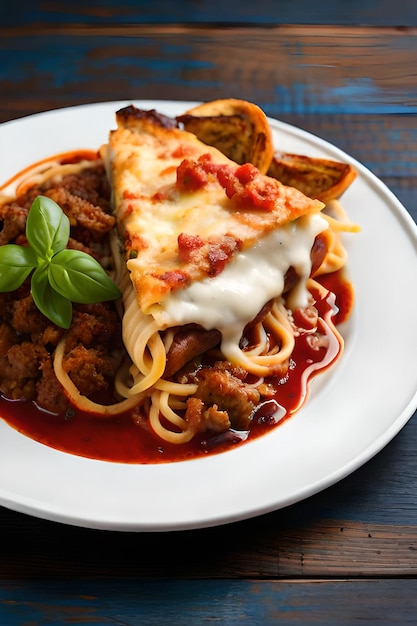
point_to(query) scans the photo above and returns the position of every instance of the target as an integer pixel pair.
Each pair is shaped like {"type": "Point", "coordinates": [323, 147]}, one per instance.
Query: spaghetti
{"type": "Point", "coordinates": [204, 359]}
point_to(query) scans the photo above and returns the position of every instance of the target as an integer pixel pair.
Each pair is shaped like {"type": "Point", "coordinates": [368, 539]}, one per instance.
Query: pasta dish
{"type": "Point", "coordinates": [229, 257]}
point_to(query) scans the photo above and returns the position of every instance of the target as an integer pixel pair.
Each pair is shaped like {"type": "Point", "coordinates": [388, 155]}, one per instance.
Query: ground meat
{"type": "Point", "coordinates": [81, 212]}
{"type": "Point", "coordinates": [203, 419]}
{"type": "Point", "coordinates": [13, 218]}
{"type": "Point", "coordinates": [224, 395]}
{"type": "Point", "coordinates": [20, 369]}
{"type": "Point", "coordinates": [17, 389]}
{"type": "Point", "coordinates": [27, 338]}
{"type": "Point", "coordinates": [8, 338]}
{"type": "Point", "coordinates": [27, 342]}
{"type": "Point", "coordinates": [5, 299]}
{"type": "Point", "coordinates": [26, 366]}
{"type": "Point", "coordinates": [94, 324]}
{"type": "Point", "coordinates": [25, 359]}
{"type": "Point", "coordinates": [89, 369]}
{"type": "Point", "coordinates": [234, 370]}
{"type": "Point", "coordinates": [84, 197]}
{"type": "Point", "coordinates": [26, 317]}
{"type": "Point", "coordinates": [51, 336]}
{"type": "Point", "coordinates": [49, 393]}
{"type": "Point", "coordinates": [91, 184]}
{"type": "Point", "coordinates": [76, 244]}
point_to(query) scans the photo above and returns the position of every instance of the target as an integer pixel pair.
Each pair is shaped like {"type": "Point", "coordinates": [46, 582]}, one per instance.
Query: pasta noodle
{"type": "Point", "coordinates": [249, 353]}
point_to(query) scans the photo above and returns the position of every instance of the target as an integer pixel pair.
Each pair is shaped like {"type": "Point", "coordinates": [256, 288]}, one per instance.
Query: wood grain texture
{"type": "Point", "coordinates": [178, 602]}
{"type": "Point", "coordinates": [352, 86]}
{"type": "Point", "coordinates": [354, 12]}
{"type": "Point", "coordinates": [347, 555]}
{"type": "Point", "coordinates": [261, 549]}
{"type": "Point", "coordinates": [296, 70]}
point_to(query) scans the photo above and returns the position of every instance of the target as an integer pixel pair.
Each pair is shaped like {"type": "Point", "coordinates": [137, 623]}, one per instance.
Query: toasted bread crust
{"type": "Point", "coordinates": [173, 193]}
{"type": "Point", "coordinates": [238, 128]}
{"type": "Point", "coordinates": [323, 179]}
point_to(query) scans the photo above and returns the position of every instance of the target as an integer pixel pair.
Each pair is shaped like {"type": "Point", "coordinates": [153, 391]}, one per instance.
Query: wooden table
{"type": "Point", "coordinates": [346, 72]}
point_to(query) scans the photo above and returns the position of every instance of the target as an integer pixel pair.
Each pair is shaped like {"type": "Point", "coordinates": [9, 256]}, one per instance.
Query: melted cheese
{"type": "Point", "coordinates": [153, 210]}
{"type": "Point", "coordinates": [233, 298]}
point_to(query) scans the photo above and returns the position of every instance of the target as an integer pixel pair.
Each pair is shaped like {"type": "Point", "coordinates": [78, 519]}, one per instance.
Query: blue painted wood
{"type": "Point", "coordinates": [325, 72]}
{"type": "Point", "coordinates": [266, 12]}
{"type": "Point", "coordinates": [352, 86]}
{"type": "Point", "coordinates": [323, 81]}
{"type": "Point", "coordinates": [383, 491]}
{"type": "Point", "coordinates": [131, 602]}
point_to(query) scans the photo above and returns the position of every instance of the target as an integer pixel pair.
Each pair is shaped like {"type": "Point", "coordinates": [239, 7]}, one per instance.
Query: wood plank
{"type": "Point", "coordinates": [265, 12]}
{"type": "Point", "coordinates": [296, 70]}
{"type": "Point", "coordinates": [177, 602]}
{"type": "Point", "coordinates": [352, 87]}
{"type": "Point", "coordinates": [255, 549]}
{"type": "Point", "coordinates": [326, 548]}
{"type": "Point", "coordinates": [332, 82]}
{"type": "Point", "coordinates": [386, 145]}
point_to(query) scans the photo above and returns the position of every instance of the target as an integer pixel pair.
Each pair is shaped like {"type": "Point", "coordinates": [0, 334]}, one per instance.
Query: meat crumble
{"type": "Point", "coordinates": [94, 346]}
{"type": "Point", "coordinates": [223, 400]}
{"type": "Point", "coordinates": [27, 338]}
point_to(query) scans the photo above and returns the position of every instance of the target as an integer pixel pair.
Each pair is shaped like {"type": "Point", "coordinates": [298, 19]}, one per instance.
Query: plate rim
{"type": "Point", "coordinates": [27, 506]}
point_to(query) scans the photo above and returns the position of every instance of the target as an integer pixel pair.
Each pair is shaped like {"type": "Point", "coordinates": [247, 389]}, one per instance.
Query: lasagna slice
{"type": "Point", "coordinates": [218, 262]}
{"type": "Point", "coordinates": [185, 211]}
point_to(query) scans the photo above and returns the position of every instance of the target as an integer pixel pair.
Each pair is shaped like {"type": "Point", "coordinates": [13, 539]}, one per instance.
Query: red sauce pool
{"type": "Point", "coordinates": [120, 440]}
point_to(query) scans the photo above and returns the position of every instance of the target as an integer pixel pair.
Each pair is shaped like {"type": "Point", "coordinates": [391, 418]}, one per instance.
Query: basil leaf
{"type": "Point", "coordinates": [61, 276]}
{"type": "Point", "coordinates": [79, 277]}
{"type": "Point", "coordinates": [47, 227]}
{"type": "Point", "coordinates": [16, 263]}
{"type": "Point", "coordinates": [56, 307]}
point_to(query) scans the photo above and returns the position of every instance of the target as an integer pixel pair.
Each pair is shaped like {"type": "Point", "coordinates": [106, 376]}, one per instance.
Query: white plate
{"type": "Point", "coordinates": [350, 415]}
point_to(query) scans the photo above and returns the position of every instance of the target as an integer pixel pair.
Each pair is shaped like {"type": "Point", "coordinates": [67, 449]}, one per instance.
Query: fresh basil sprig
{"type": "Point", "coordinates": [61, 276]}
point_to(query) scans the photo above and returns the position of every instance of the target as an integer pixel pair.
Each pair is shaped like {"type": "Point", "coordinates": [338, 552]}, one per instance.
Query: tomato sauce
{"type": "Point", "coordinates": [64, 158]}
{"type": "Point", "coordinates": [236, 181]}
{"type": "Point", "coordinates": [120, 440]}
{"type": "Point", "coordinates": [339, 284]}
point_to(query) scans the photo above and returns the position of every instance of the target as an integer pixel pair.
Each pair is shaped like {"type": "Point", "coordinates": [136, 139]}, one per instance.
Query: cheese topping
{"type": "Point", "coordinates": [185, 210]}
{"type": "Point", "coordinates": [233, 298]}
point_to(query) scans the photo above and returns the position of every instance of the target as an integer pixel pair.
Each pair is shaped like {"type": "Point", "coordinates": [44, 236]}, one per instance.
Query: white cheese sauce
{"type": "Point", "coordinates": [253, 277]}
